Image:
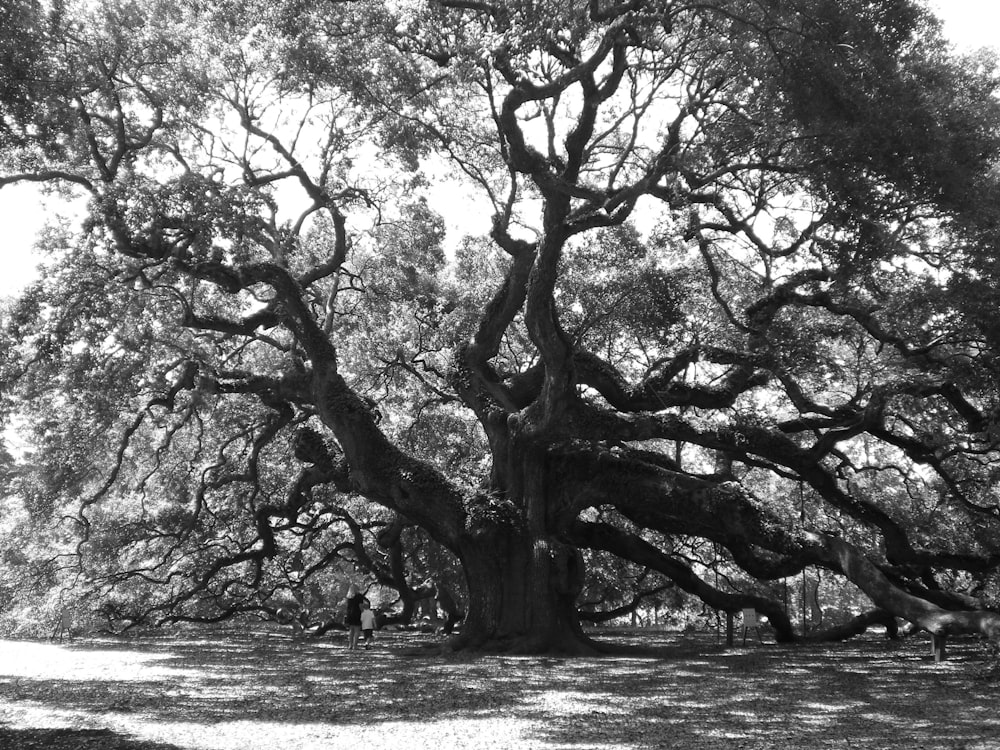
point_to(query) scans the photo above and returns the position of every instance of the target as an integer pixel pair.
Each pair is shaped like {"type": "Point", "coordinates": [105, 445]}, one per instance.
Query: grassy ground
{"type": "Point", "coordinates": [223, 691]}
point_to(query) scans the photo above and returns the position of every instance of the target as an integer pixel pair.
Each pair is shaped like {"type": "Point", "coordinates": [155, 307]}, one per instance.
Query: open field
{"type": "Point", "coordinates": [226, 691]}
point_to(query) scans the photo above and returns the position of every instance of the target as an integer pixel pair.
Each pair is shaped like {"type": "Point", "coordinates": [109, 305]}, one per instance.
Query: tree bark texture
{"type": "Point", "coordinates": [522, 593]}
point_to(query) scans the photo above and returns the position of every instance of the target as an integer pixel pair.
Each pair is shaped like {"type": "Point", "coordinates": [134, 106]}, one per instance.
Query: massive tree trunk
{"type": "Point", "coordinates": [522, 593]}
{"type": "Point", "coordinates": [523, 583]}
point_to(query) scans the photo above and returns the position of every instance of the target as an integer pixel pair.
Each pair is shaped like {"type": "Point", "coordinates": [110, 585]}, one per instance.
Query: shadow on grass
{"type": "Point", "coordinates": [694, 694]}
{"type": "Point", "coordinates": [72, 739]}
{"type": "Point", "coordinates": [269, 677]}
{"type": "Point", "coordinates": [864, 694]}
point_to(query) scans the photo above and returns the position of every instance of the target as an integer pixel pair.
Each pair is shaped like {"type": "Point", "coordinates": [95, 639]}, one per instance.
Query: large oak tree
{"type": "Point", "coordinates": [728, 260]}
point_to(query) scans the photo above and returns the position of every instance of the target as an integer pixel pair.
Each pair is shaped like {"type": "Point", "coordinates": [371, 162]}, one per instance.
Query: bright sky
{"type": "Point", "coordinates": [969, 23]}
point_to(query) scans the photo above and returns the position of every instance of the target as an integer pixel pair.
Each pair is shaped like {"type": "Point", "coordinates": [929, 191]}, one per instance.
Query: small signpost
{"type": "Point", "coordinates": [750, 621]}
{"type": "Point", "coordinates": [64, 625]}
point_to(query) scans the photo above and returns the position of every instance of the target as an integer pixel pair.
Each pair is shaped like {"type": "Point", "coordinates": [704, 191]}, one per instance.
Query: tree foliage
{"type": "Point", "coordinates": [731, 259]}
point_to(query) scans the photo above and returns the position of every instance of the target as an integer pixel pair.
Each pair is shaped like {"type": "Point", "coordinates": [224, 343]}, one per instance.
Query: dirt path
{"type": "Point", "coordinates": [266, 691]}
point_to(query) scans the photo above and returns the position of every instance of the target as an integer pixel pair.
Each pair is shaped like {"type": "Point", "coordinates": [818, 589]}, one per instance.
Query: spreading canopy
{"type": "Point", "coordinates": [726, 294]}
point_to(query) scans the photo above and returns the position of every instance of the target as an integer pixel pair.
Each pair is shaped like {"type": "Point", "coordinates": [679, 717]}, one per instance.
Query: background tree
{"type": "Point", "coordinates": [727, 266]}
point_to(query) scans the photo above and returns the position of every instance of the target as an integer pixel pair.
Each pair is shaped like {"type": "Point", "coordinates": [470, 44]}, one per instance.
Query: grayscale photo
{"type": "Point", "coordinates": [499, 374]}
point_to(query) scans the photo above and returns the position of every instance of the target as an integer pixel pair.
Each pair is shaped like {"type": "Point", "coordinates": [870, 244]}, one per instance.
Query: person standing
{"type": "Point", "coordinates": [353, 619]}
{"type": "Point", "coordinates": [367, 624]}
